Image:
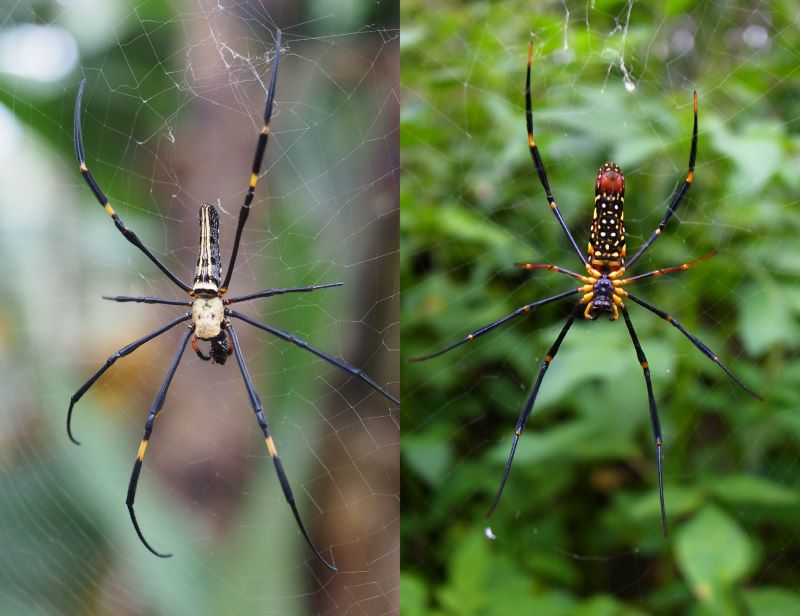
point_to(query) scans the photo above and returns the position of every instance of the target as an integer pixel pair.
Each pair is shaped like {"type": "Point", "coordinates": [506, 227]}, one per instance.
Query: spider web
{"type": "Point", "coordinates": [579, 517]}
{"type": "Point", "coordinates": [173, 105]}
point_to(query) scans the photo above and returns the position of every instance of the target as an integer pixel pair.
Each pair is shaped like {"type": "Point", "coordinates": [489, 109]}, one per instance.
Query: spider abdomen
{"type": "Point", "coordinates": [607, 238]}
{"type": "Point", "coordinates": [207, 274]}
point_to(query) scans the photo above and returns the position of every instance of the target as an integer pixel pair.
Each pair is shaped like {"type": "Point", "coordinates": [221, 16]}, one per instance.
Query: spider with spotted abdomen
{"type": "Point", "coordinates": [603, 290]}
{"type": "Point", "coordinates": [210, 316]}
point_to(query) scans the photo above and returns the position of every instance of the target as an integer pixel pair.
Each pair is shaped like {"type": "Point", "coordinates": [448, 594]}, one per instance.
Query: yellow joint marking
{"type": "Point", "coordinates": [715, 358]}
{"type": "Point", "coordinates": [517, 433]}
{"type": "Point", "coordinates": [470, 337]}
{"type": "Point", "coordinates": [530, 53]}
{"type": "Point", "coordinates": [694, 94]}
{"type": "Point", "coordinates": [84, 168]}
{"type": "Point", "coordinates": [271, 447]}
{"type": "Point", "coordinates": [644, 365]}
{"type": "Point", "coordinates": [526, 309]}
{"type": "Point", "coordinates": [265, 130]}
{"type": "Point", "coordinates": [531, 142]}
{"type": "Point", "coordinates": [548, 358]}
{"type": "Point", "coordinates": [253, 180]}
{"type": "Point", "coordinates": [690, 176]}
{"type": "Point", "coordinates": [669, 318]}
{"type": "Point", "coordinates": [142, 449]}
{"type": "Point", "coordinates": [553, 205]}
{"type": "Point", "coordinates": [109, 210]}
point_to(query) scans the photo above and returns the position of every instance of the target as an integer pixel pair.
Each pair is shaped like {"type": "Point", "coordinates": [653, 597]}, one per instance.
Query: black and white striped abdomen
{"type": "Point", "coordinates": [207, 274]}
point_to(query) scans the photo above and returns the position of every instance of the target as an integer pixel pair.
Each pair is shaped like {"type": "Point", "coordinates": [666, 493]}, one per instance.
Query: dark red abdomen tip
{"type": "Point", "coordinates": [610, 179]}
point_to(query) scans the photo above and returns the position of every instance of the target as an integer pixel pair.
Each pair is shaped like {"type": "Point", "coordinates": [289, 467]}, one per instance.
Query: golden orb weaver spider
{"type": "Point", "coordinates": [209, 317]}
{"type": "Point", "coordinates": [603, 289]}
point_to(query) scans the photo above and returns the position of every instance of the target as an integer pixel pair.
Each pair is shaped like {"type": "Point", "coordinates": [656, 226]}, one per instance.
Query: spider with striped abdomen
{"type": "Point", "coordinates": [603, 290]}
{"type": "Point", "coordinates": [209, 317]}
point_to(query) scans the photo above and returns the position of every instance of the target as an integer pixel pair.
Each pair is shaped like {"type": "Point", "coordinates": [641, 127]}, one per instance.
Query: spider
{"type": "Point", "coordinates": [603, 290]}
{"type": "Point", "coordinates": [210, 316]}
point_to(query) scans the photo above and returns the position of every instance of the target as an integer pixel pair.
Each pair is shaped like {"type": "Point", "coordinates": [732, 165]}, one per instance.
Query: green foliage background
{"type": "Point", "coordinates": [577, 530]}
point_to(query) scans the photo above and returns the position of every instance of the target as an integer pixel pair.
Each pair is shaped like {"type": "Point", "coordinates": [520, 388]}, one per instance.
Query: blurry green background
{"type": "Point", "coordinates": [173, 105]}
{"type": "Point", "coordinates": [577, 530]}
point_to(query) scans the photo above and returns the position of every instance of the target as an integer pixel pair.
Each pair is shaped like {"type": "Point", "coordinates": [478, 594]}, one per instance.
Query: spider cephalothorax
{"type": "Point", "coordinates": [603, 289]}
{"type": "Point", "coordinates": [209, 316]}
{"type": "Point", "coordinates": [602, 299]}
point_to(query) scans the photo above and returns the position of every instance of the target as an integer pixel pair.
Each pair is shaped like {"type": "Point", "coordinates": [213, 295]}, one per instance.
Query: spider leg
{"type": "Point", "coordinates": [483, 330]}
{"type": "Point", "coordinates": [126, 350]}
{"type": "Point", "coordinates": [651, 399]}
{"type": "Point", "coordinates": [537, 159]}
{"type": "Point", "coordinates": [103, 200]}
{"type": "Point", "coordinates": [255, 401]}
{"type": "Point", "coordinates": [667, 270]}
{"type": "Point", "coordinates": [694, 340]}
{"type": "Point", "coordinates": [271, 292]}
{"type": "Point", "coordinates": [554, 268]}
{"type": "Point", "coordinates": [148, 429]}
{"type": "Point", "coordinates": [528, 407]}
{"type": "Point", "coordinates": [261, 146]}
{"type": "Point", "coordinates": [197, 350]}
{"type": "Point", "coordinates": [304, 345]}
{"type": "Point", "coordinates": [676, 200]}
{"type": "Point", "coordinates": [147, 300]}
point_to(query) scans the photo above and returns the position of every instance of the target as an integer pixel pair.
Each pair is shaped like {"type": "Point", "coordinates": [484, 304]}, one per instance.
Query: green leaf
{"type": "Point", "coordinates": [483, 582]}
{"type": "Point", "coordinates": [413, 595]}
{"type": "Point", "coordinates": [765, 319]}
{"type": "Point", "coordinates": [751, 489]}
{"type": "Point", "coordinates": [605, 606]}
{"type": "Point", "coordinates": [574, 440]}
{"type": "Point", "coordinates": [680, 500]}
{"type": "Point", "coordinates": [755, 152]}
{"type": "Point", "coordinates": [429, 457]}
{"type": "Point", "coordinates": [772, 602]}
{"type": "Point", "coordinates": [714, 554]}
